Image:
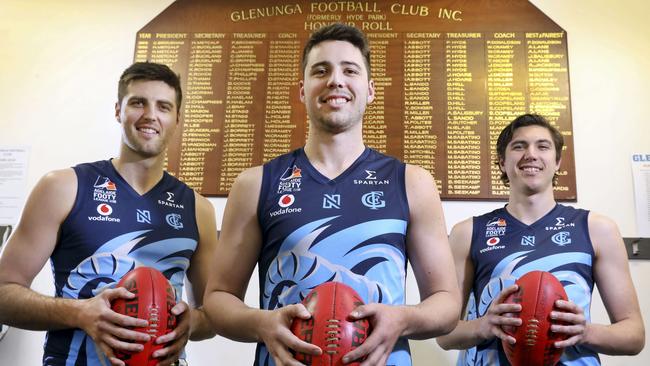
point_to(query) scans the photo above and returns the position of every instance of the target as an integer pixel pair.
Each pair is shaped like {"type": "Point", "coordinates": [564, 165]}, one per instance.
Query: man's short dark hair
{"type": "Point", "coordinates": [150, 71]}
{"type": "Point", "coordinates": [524, 120]}
{"type": "Point", "coordinates": [338, 32]}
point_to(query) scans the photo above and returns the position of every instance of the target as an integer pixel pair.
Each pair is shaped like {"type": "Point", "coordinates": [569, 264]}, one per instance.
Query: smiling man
{"type": "Point", "coordinates": [97, 221]}
{"type": "Point", "coordinates": [314, 215]}
{"type": "Point", "coordinates": [533, 232]}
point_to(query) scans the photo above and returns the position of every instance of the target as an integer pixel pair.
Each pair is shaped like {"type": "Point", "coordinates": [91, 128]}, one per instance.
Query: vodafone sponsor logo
{"type": "Point", "coordinates": [492, 245]}
{"type": "Point", "coordinates": [286, 200]}
{"type": "Point", "coordinates": [493, 241]}
{"type": "Point", "coordinates": [104, 210]}
{"type": "Point", "coordinates": [283, 211]}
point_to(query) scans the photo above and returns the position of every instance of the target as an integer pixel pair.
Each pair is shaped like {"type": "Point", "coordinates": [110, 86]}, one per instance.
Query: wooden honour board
{"type": "Point", "coordinates": [449, 76]}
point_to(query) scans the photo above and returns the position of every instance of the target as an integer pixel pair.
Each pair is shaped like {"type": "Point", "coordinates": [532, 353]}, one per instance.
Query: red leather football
{"type": "Point", "coordinates": [329, 328]}
{"type": "Point", "coordinates": [537, 293]}
{"type": "Point", "coordinates": [153, 302]}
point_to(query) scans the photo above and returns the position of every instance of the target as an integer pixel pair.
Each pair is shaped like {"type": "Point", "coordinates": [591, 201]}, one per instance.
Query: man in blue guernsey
{"type": "Point", "coordinates": [533, 232]}
{"type": "Point", "coordinates": [97, 221]}
{"type": "Point", "coordinates": [334, 210]}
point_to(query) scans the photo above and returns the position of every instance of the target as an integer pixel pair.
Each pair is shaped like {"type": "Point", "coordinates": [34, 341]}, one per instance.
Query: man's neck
{"type": "Point", "coordinates": [332, 154]}
{"type": "Point", "coordinates": [530, 208]}
{"type": "Point", "coordinates": [142, 174]}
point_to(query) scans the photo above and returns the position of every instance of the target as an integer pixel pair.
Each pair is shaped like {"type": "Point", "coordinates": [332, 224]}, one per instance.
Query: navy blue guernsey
{"type": "Point", "coordinates": [503, 249]}
{"type": "Point", "coordinates": [110, 230]}
{"type": "Point", "coordinates": [350, 229]}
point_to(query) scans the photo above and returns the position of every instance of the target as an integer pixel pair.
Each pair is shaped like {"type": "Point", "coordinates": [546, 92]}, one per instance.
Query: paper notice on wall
{"type": "Point", "coordinates": [13, 182]}
{"type": "Point", "coordinates": [641, 177]}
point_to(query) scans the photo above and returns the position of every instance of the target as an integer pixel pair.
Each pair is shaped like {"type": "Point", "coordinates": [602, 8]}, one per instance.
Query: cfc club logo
{"type": "Point", "coordinates": [562, 238]}
{"type": "Point", "coordinates": [286, 200]}
{"type": "Point", "coordinates": [174, 220]}
{"type": "Point", "coordinates": [373, 200]}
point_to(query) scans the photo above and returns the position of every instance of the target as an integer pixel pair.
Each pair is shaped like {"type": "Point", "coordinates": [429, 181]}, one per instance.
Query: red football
{"type": "Point", "coordinates": [153, 302]}
{"type": "Point", "coordinates": [329, 328]}
{"type": "Point", "coordinates": [537, 293]}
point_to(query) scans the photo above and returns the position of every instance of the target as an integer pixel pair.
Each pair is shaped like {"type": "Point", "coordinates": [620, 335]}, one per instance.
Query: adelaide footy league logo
{"type": "Point", "coordinates": [290, 180]}
{"type": "Point", "coordinates": [496, 227]}
{"type": "Point", "coordinates": [104, 190]}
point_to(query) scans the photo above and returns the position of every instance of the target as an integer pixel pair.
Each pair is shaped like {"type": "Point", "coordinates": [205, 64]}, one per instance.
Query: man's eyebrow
{"type": "Point", "coordinates": [319, 64]}
{"type": "Point", "coordinates": [327, 63]}
{"type": "Point", "coordinates": [351, 63]}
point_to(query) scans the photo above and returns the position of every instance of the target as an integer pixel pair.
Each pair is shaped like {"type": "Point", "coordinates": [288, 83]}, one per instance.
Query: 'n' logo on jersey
{"type": "Point", "coordinates": [104, 190]}
{"type": "Point", "coordinates": [528, 240]}
{"type": "Point", "coordinates": [290, 180]}
{"type": "Point", "coordinates": [143, 216]}
{"type": "Point", "coordinates": [331, 201]}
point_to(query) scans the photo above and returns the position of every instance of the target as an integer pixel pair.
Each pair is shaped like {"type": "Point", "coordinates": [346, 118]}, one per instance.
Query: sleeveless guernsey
{"type": "Point", "coordinates": [110, 230]}
{"type": "Point", "coordinates": [350, 229]}
{"type": "Point", "coordinates": [503, 249]}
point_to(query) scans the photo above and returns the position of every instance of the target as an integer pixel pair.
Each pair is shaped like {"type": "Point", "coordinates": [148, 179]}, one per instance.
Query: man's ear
{"type": "Point", "coordinates": [302, 90]}
{"type": "Point", "coordinates": [118, 109]}
{"type": "Point", "coordinates": [371, 91]}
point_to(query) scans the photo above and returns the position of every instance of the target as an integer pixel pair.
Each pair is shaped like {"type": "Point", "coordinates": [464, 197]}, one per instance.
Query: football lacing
{"type": "Point", "coordinates": [532, 327]}
{"type": "Point", "coordinates": [152, 329]}
{"type": "Point", "coordinates": [333, 336]}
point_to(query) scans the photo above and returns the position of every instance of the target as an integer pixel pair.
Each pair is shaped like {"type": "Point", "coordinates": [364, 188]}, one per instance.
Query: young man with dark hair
{"type": "Point", "coordinates": [334, 210]}
{"type": "Point", "coordinates": [97, 221]}
{"type": "Point", "coordinates": [533, 232]}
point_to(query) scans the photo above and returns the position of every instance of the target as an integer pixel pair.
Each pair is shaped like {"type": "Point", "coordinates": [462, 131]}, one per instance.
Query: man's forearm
{"type": "Point", "coordinates": [626, 337]}
{"type": "Point", "coordinates": [435, 316]}
{"type": "Point", "coordinates": [464, 336]}
{"type": "Point", "coordinates": [24, 308]}
{"type": "Point", "coordinates": [200, 325]}
{"type": "Point", "coordinates": [232, 318]}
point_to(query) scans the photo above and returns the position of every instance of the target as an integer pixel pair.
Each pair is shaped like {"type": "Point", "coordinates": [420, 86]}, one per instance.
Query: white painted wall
{"type": "Point", "coordinates": [59, 63]}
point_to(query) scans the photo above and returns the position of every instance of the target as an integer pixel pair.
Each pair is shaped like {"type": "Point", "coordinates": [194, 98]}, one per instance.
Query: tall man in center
{"type": "Point", "coordinates": [334, 210]}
